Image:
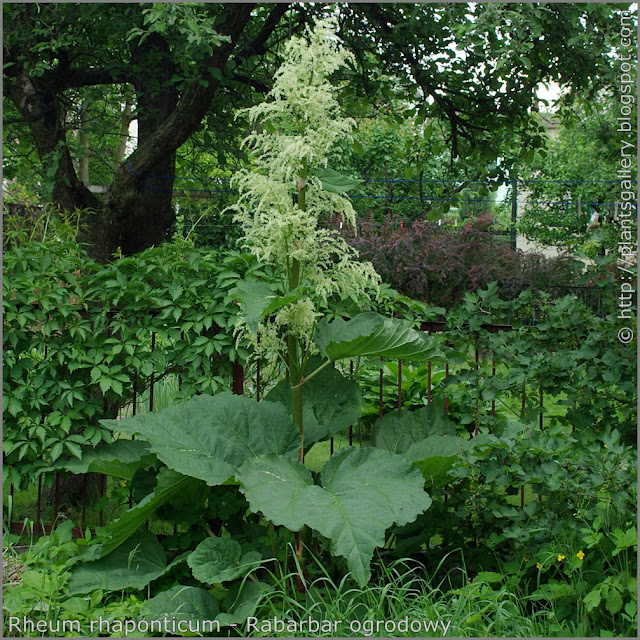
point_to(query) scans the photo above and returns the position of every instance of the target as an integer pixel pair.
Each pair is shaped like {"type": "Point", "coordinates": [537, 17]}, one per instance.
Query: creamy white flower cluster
{"type": "Point", "coordinates": [294, 131]}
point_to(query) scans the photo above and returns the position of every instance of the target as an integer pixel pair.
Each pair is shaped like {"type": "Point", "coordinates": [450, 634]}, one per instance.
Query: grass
{"type": "Point", "coordinates": [320, 452]}
{"type": "Point", "coordinates": [401, 602]}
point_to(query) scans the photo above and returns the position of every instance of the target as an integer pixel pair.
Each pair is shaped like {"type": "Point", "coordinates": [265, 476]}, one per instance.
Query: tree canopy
{"type": "Point", "coordinates": [571, 189]}
{"type": "Point", "coordinates": [76, 75]}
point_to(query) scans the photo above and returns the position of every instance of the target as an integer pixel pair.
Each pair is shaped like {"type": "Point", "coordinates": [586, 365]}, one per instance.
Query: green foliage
{"type": "Point", "coordinates": [370, 334]}
{"type": "Point", "coordinates": [574, 480]}
{"type": "Point", "coordinates": [330, 404]}
{"type": "Point", "coordinates": [570, 183]}
{"type": "Point", "coordinates": [169, 484]}
{"type": "Point", "coordinates": [78, 337]}
{"type": "Point", "coordinates": [210, 437]}
{"type": "Point", "coordinates": [133, 564]}
{"type": "Point", "coordinates": [181, 603]}
{"type": "Point", "coordinates": [544, 513]}
{"type": "Point", "coordinates": [363, 492]}
{"type": "Point", "coordinates": [399, 430]}
{"type": "Point", "coordinates": [435, 455]}
{"type": "Point", "coordinates": [121, 458]}
{"type": "Point", "coordinates": [221, 560]}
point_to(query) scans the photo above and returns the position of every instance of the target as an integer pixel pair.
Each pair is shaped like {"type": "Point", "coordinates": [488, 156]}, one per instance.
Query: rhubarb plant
{"type": "Point", "coordinates": [260, 446]}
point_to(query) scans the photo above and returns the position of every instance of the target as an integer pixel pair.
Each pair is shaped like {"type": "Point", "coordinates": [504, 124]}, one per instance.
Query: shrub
{"type": "Point", "coordinates": [78, 337]}
{"type": "Point", "coordinates": [438, 265]}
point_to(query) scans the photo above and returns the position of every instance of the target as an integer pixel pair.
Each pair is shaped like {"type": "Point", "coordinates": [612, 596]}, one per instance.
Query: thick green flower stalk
{"type": "Point", "coordinates": [281, 197]}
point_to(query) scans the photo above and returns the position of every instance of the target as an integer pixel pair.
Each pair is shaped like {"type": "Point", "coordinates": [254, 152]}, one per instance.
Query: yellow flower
{"type": "Point", "coordinates": [606, 446]}
{"type": "Point", "coordinates": [123, 483]}
{"type": "Point", "coordinates": [580, 554]}
{"type": "Point", "coordinates": [560, 557]}
{"type": "Point", "coordinates": [538, 565]}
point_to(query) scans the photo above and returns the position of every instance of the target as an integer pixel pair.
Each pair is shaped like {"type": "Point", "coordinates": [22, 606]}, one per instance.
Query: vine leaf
{"type": "Point", "coordinates": [363, 493]}
{"type": "Point", "coordinates": [209, 437]}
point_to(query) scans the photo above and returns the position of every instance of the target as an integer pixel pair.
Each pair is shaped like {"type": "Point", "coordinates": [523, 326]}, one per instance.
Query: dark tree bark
{"type": "Point", "coordinates": [152, 213]}
{"type": "Point", "coordinates": [37, 102]}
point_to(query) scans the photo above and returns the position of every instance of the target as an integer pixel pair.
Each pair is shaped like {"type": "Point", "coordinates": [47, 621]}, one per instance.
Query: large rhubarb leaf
{"type": "Point", "coordinates": [218, 560]}
{"type": "Point", "coordinates": [363, 493]}
{"type": "Point", "coordinates": [398, 430]}
{"type": "Point", "coordinates": [330, 402]}
{"type": "Point", "coordinates": [370, 334]}
{"type": "Point", "coordinates": [121, 459]}
{"type": "Point", "coordinates": [182, 605]}
{"type": "Point", "coordinates": [169, 484]}
{"type": "Point", "coordinates": [242, 600]}
{"type": "Point", "coordinates": [435, 455]}
{"type": "Point", "coordinates": [209, 437]}
{"type": "Point", "coordinates": [134, 564]}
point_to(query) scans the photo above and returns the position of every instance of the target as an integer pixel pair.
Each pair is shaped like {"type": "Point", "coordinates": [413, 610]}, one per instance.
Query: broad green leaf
{"type": "Point", "coordinates": [220, 560]}
{"type": "Point", "coordinates": [370, 334]}
{"type": "Point", "coordinates": [592, 599]}
{"type": "Point", "coordinates": [74, 449]}
{"type": "Point", "coordinates": [613, 602]}
{"type": "Point", "coordinates": [254, 296]}
{"type": "Point", "coordinates": [435, 455]}
{"type": "Point", "coordinates": [363, 493]}
{"type": "Point", "coordinates": [133, 564]}
{"type": "Point", "coordinates": [121, 459]}
{"type": "Point", "coordinates": [241, 601]}
{"type": "Point", "coordinates": [186, 604]}
{"type": "Point", "coordinates": [399, 430]}
{"type": "Point", "coordinates": [490, 577]}
{"type": "Point", "coordinates": [209, 437]}
{"type": "Point", "coordinates": [624, 539]}
{"type": "Point", "coordinates": [258, 300]}
{"type": "Point", "coordinates": [169, 484]}
{"type": "Point", "coordinates": [330, 402]}
{"type": "Point", "coordinates": [335, 182]}
{"type": "Point", "coordinates": [282, 489]}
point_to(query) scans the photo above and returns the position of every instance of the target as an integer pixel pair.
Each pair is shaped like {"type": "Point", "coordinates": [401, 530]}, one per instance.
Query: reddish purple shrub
{"type": "Point", "coordinates": [439, 265]}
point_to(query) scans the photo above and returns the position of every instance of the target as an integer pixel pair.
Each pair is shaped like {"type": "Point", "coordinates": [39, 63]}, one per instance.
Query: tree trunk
{"type": "Point", "coordinates": [152, 214]}
{"type": "Point", "coordinates": [39, 105]}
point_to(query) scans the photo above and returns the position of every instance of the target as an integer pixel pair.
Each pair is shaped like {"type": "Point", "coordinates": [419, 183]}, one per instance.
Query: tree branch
{"type": "Point", "coordinates": [76, 78]}
{"type": "Point", "coordinates": [257, 45]}
{"type": "Point", "coordinates": [189, 111]}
